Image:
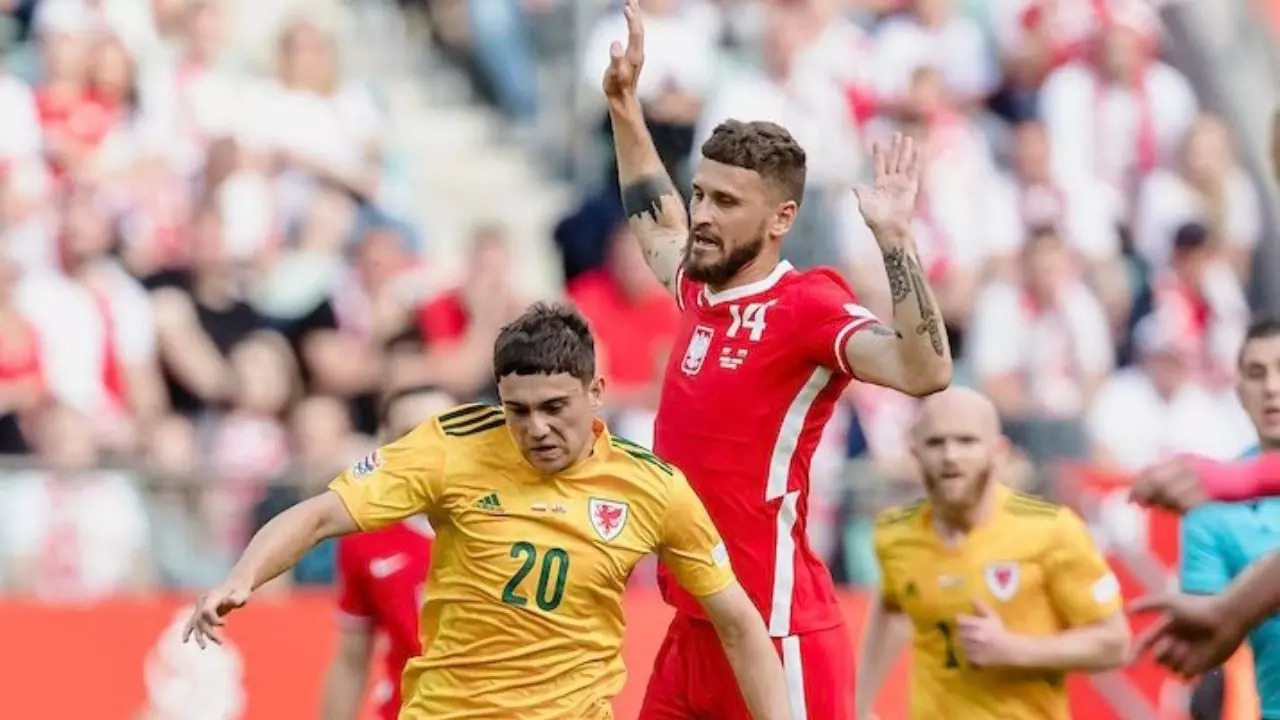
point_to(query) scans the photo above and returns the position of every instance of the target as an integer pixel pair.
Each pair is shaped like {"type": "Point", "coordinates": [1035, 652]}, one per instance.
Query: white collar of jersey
{"type": "Point", "coordinates": [743, 291]}
{"type": "Point", "coordinates": [419, 524]}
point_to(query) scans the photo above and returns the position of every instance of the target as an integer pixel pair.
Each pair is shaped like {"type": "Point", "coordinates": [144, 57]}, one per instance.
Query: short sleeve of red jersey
{"type": "Point", "coordinates": [686, 290]}
{"type": "Point", "coordinates": [354, 608]}
{"type": "Point", "coordinates": [828, 314]}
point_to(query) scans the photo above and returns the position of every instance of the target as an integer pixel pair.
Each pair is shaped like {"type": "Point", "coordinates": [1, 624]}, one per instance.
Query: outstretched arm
{"type": "Point", "coordinates": [654, 208]}
{"type": "Point", "coordinates": [750, 652]}
{"type": "Point", "coordinates": [275, 548]}
{"type": "Point", "coordinates": [912, 353]}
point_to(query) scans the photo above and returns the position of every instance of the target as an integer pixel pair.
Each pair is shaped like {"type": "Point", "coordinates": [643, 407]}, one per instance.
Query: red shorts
{"type": "Point", "coordinates": [692, 677]}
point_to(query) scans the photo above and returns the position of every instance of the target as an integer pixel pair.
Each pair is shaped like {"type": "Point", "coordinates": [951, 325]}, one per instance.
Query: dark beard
{"type": "Point", "coordinates": [718, 274]}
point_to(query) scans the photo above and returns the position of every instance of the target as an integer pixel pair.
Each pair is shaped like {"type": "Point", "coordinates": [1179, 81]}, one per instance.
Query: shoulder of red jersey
{"type": "Point", "coordinates": [824, 279]}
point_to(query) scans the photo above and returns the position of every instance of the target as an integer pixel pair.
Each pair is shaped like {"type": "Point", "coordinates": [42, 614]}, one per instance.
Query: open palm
{"type": "Point", "coordinates": [889, 203]}
{"type": "Point", "coordinates": [624, 63]}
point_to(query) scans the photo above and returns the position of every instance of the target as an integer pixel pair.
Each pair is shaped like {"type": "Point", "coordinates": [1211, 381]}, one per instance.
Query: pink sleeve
{"type": "Point", "coordinates": [1247, 479]}
{"type": "Point", "coordinates": [353, 598]}
{"type": "Point", "coordinates": [829, 314]}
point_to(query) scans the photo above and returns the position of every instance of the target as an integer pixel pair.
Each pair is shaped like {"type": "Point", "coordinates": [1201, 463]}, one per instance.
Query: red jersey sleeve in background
{"type": "Point", "coordinates": [828, 315]}
{"type": "Point", "coordinates": [354, 606]}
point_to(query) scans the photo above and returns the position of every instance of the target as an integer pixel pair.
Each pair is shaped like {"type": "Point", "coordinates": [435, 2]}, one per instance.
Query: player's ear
{"type": "Point", "coordinates": [595, 393]}
{"type": "Point", "coordinates": [1003, 449]}
{"type": "Point", "coordinates": [784, 216]}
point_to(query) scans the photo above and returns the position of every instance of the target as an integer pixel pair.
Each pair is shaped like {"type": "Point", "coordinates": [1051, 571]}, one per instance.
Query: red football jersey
{"type": "Point", "coordinates": [380, 583]}
{"type": "Point", "coordinates": [753, 378]}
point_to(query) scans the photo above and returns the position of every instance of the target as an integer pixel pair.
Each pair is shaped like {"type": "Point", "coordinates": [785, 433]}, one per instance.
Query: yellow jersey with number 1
{"type": "Point", "coordinates": [523, 610]}
{"type": "Point", "coordinates": [1033, 563]}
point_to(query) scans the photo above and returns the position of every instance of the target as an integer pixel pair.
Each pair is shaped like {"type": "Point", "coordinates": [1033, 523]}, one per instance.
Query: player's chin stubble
{"type": "Point", "coordinates": [970, 495]}
{"type": "Point", "coordinates": [719, 273]}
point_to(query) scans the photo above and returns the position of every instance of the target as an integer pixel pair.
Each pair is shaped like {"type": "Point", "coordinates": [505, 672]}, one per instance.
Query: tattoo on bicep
{"type": "Point", "coordinates": [644, 196]}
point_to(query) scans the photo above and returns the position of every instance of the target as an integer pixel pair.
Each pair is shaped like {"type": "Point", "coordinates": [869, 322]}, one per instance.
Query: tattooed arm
{"type": "Point", "coordinates": [912, 353]}
{"type": "Point", "coordinates": [654, 208]}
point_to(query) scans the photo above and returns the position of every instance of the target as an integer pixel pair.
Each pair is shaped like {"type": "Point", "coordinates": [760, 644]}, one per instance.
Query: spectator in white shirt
{"type": "Point", "coordinates": [70, 532]}
{"type": "Point", "coordinates": [1041, 348]}
{"type": "Point", "coordinates": [1207, 185]}
{"type": "Point", "coordinates": [933, 35]}
{"type": "Point", "coordinates": [96, 332]}
{"type": "Point", "coordinates": [1156, 409]}
{"type": "Point", "coordinates": [192, 100]}
{"type": "Point", "coordinates": [1117, 117]}
{"type": "Point", "coordinates": [1030, 196]}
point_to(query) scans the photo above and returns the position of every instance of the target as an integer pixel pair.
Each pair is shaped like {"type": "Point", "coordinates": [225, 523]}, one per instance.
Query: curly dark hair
{"type": "Point", "coordinates": [548, 339]}
{"type": "Point", "coordinates": [764, 147]}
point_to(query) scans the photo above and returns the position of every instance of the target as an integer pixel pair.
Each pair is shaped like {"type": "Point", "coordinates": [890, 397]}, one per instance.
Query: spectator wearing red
{"type": "Point", "coordinates": [1201, 297]}
{"type": "Point", "coordinates": [458, 327]}
{"type": "Point", "coordinates": [633, 319]}
{"type": "Point", "coordinates": [74, 120]}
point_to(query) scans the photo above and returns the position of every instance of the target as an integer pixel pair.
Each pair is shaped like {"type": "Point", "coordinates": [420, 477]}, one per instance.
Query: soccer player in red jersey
{"type": "Point", "coordinates": [762, 355]}
{"type": "Point", "coordinates": [380, 588]}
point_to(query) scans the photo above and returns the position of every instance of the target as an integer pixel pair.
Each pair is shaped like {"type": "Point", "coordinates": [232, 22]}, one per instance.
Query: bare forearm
{"type": "Point", "coordinates": [758, 672]}
{"type": "Point", "coordinates": [922, 336]}
{"type": "Point", "coordinates": [1090, 649]}
{"type": "Point", "coordinates": [655, 210]}
{"type": "Point", "coordinates": [882, 643]}
{"type": "Point", "coordinates": [1255, 595]}
{"type": "Point", "coordinates": [282, 542]}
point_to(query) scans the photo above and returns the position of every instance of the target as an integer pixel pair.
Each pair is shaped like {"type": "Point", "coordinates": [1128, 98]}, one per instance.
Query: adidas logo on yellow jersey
{"type": "Point", "coordinates": [488, 502]}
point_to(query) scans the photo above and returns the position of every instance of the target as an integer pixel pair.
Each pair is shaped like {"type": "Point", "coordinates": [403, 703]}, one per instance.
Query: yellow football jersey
{"type": "Point", "coordinates": [523, 610]}
{"type": "Point", "coordinates": [1033, 563]}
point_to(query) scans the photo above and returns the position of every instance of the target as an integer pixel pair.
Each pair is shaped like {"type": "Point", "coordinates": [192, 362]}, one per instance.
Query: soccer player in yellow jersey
{"type": "Point", "coordinates": [540, 515]}
{"type": "Point", "coordinates": [1000, 594]}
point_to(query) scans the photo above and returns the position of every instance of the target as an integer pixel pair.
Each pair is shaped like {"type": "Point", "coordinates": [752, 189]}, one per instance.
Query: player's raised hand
{"type": "Point", "coordinates": [624, 63]}
{"type": "Point", "coordinates": [1193, 634]}
{"type": "Point", "coordinates": [209, 612]}
{"type": "Point", "coordinates": [889, 203]}
{"type": "Point", "coordinates": [984, 639]}
{"type": "Point", "coordinates": [1172, 485]}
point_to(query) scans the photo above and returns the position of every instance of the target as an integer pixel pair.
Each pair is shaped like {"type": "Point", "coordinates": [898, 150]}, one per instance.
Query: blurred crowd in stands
{"type": "Point", "coordinates": [212, 276]}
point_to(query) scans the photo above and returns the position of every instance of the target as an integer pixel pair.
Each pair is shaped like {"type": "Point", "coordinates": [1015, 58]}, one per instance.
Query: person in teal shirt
{"type": "Point", "coordinates": [1220, 540]}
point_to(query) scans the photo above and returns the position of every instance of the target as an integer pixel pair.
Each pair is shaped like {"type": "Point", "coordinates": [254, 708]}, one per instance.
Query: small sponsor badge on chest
{"type": "Point", "coordinates": [1002, 580]}
{"type": "Point", "coordinates": [608, 517]}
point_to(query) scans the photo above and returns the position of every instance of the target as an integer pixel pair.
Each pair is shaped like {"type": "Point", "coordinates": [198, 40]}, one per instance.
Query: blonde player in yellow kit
{"type": "Point", "coordinates": [1000, 594]}
{"type": "Point", "coordinates": [540, 516]}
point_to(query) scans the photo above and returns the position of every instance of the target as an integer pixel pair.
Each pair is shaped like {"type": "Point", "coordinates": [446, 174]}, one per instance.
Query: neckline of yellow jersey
{"type": "Point", "coordinates": [601, 450]}
{"type": "Point", "coordinates": [1002, 495]}
{"type": "Point", "coordinates": [752, 288]}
